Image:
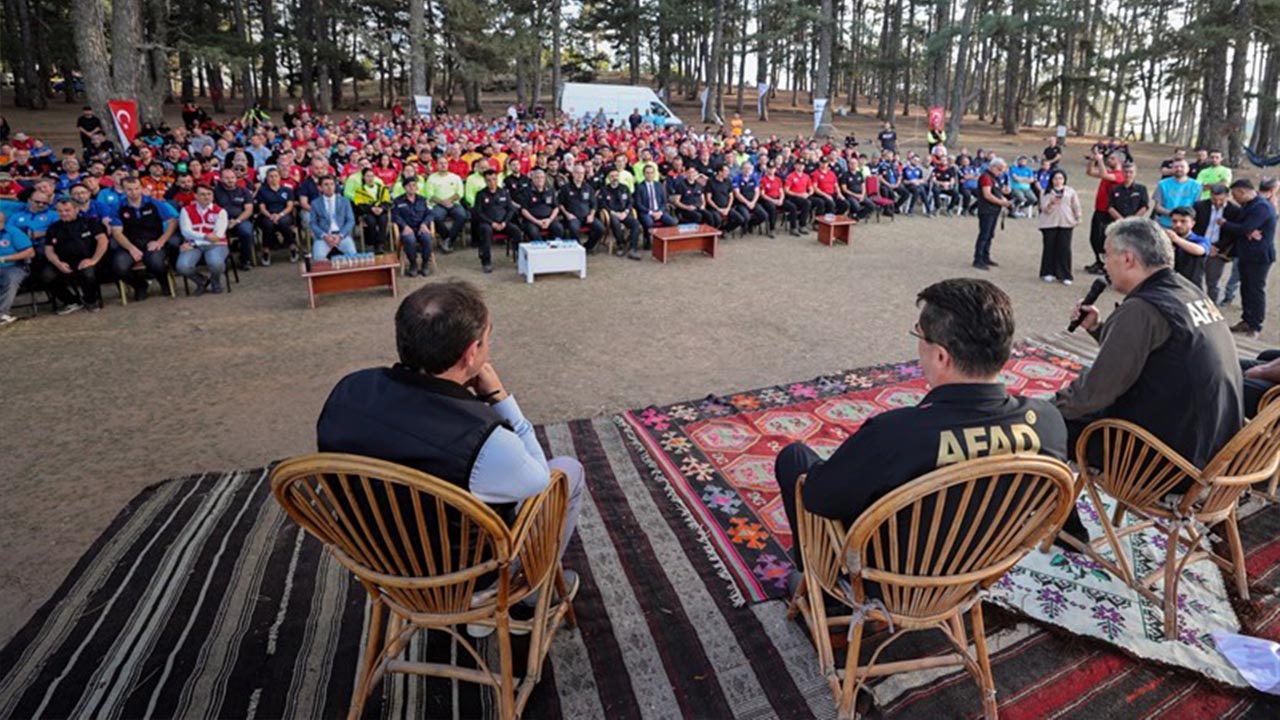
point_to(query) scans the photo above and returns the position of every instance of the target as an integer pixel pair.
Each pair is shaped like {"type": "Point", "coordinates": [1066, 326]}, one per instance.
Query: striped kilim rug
{"type": "Point", "coordinates": [202, 600]}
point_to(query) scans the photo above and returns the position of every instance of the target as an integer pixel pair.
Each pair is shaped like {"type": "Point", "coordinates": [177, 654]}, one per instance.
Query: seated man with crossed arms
{"type": "Point", "coordinates": [964, 337]}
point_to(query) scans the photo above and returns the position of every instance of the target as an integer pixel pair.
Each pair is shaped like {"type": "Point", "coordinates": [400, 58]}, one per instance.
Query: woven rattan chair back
{"type": "Point", "coordinates": [424, 543]}
{"type": "Point", "coordinates": [930, 544]}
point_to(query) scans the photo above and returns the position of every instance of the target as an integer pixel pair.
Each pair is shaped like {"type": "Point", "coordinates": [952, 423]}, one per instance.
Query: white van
{"type": "Point", "coordinates": [617, 101]}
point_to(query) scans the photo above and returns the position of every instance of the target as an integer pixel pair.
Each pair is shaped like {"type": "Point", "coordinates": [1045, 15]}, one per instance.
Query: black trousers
{"type": "Point", "coordinates": [1055, 258]}
{"type": "Point", "coordinates": [951, 194]}
{"type": "Point", "coordinates": [773, 210]}
{"type": "Point", "coordinates": [375, 227]}
{"type": "Point", "coordinates": [753, 217]}
{"type": "Point", "coordinates": [532, 231]}
{"type": "Point", "coordinates": [155, 262]}
{"type": "Point", "coordinates": [630, 225]}
{"type": "Point", "coordinates": [1253, 292]}
{"type": "Point", "coordinates": [823, 206]}
{"type": "Point", "coordinates": [595, 230]}
{"type": "Point", "coordinates": [797, 209]}
{"type": "Point", "coordinates": [727, 222]}
{"type": "Point", "coordinates": [1255, 389]}
{"type": "Point", "coordinates": [286, 230]}
{"type": "Point", "coordinates": [482, 235]}
{"type": "Point", "coordinates": [986, 233]}
{"type": "Point", "coordinates": [795, 460]}
{"type": "Point", "coordinates": [1098, 233]}
{"type": "Point", "coordinates": [696, 215]}
{"type": "Point", "coordinates": [919, 194]}
{"type": "Point", "coordinates": [65, 287]}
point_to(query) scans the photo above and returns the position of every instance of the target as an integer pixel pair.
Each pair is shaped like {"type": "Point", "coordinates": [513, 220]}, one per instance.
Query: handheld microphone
{"type": "Point", "coordinates": [1095, 291]}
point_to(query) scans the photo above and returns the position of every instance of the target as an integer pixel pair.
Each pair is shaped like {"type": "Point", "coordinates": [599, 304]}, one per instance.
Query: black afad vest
{"type": "Point", "coordinates": [410, 418]}
{"type": "Point", "coordinates": [1189, 393]}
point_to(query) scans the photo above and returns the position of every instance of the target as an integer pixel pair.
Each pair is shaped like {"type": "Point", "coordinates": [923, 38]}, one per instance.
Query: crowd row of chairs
{"type": "Point", "coordinates": [899, 563]}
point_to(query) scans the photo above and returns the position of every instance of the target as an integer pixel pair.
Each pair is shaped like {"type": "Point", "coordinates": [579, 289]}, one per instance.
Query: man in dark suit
{"type": "Point", "coordinates": [651, 202]}
{"type": "Point", "coordinates": [1208, 212]}
{"type": "Point", "coordinates": [965, 335]}
{"type": "Point", "coordinates": [1255, 231]}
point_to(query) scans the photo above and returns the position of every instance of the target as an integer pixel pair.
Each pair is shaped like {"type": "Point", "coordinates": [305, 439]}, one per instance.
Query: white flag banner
{"type": "Point", "coordinates": [819, 105]}
{"type": "Point", "coordinates": [422, 103]}
{"type": "Point", "coordinates": [761, 99]}
{"type": "Point", "coordinates": [704, 96]}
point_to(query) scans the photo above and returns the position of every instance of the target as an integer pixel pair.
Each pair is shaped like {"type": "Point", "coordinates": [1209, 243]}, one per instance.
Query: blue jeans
{"type": "Point", "coordinates": [1233, 284]}
{"type": "Point", "coordinates": [244, 232]}
{"type": "Point", "coordinates": [11, 277]}
{"type": "Point", "coordinates": [986, 233]}
{"type": "Point", "coordinates": [415, 241]}
{"type": "Point", "coordinates": [215, 256]}
{"type": "Point", "coordinates": [320, 249]}
{"type": "Point", "coordinates": [457, 214]}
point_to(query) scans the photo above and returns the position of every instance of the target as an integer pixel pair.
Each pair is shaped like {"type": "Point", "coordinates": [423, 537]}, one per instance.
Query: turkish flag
{"type": "Point", "coordinates": [937, 118]}
{"type": "Point", "coordinates": [125, 114]}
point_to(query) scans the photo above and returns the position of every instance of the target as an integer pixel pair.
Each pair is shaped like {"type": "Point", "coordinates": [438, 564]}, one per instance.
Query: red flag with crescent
{"type": "Point", "coordinates": [125, 114]}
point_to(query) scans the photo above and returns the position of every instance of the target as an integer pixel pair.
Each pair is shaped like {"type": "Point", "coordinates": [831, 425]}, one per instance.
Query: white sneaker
{"type": "Point", "coordinates": [1066, 281]}
{"type": "Point", "coordinates": [7, 319]}
{"type": "Point", "coordinates": [1048, 278]}
{"type": "Point", "coordinates": [68, 309]}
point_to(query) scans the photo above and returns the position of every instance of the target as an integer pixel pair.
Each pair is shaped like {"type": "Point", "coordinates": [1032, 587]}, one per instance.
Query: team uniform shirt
{"type": "Point", "coordinates": [771, 187]}
{"type": "Point", "coordinates": [616, 198]}
{"type": "Point", "coordinates": [440, 186]}
{"type": "Point", "coordinates": [1212, 175]}
{"type": "Point", "coordinates": [232, 201]}
{"type": "Point", "coordinates": [275, 200]}
{"type": "Point", "coordinates": [145, 222]}
{"type": "Point", "coordinates": [541, 202]}
{"type": "Point", "coordinates": [721, 192]}
{"type": "Point", "coordinates": [945, 174]}
{"type": "Point", "coordinates": [77, 239]}
{"type": "Point", "coordinates": [1128, 200]}
{"type": "Point", "coordinates": [33, 224]}
{"type": "Point", "coordinates": [799, 183]}
{"type": "Point", "coordinates": [578, 201]}
{"type": "Point", "coordinates": [197, 222]}
{"type": "Point", "coordinates": [1102, 200]}
{"type": "Point", "coordinates": [747, 185]}
{"type": "Point", "coordinates": [12, 242]}
{"type": "Point", "coordinates": [986, 207]}
{"type": "Point", "coordinates": [495, 205]}
{"type": "Point", "coordinates": [888, 140]}
{"type": "Point", "coordinates": [687, 192]}
{"type": "Point", "coordinates": [825, 181]}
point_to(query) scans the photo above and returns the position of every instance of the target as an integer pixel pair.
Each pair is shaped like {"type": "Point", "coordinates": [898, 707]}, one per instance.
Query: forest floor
{"type": "Point", "coordinates": [100, 406]}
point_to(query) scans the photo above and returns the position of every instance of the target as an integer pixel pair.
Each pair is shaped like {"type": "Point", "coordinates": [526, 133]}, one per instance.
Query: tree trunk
{"type": "Point", "coordinates": [153, 84]}
{"type": "Point", "coordinates": [1235, 90]}
{"type": "Point", "coordinates": [557, 32]}
{"type": "Point", "coordinates": [1264, 136]}
{"type": "Point", "coordinates": [822, 84]}
{"type": "Point", "coordinates": [417, 61]}
{"type": "Point", "coordinates": [742, 57]}
{"type": "Point", "coordinates": [126, 41]}
{"type": "Point", "coordinates": [88, 18]}
{"type": "Point", "coordinates": [939, 57]}
{"type": "Point", "coordinates": [270, 55]}
{"type": "Point", "coordinates": [713, 65]}
{"type": "Point", "coordinates": [1012, 73]}
{"type": "Point", "coordinates": [633, 30]}
{"type": "Point", "coordinates": [959, 74]}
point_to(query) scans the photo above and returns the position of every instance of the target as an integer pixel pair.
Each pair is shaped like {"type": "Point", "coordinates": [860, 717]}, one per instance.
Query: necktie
{"type": "Point", "coordinates": [653, 201]}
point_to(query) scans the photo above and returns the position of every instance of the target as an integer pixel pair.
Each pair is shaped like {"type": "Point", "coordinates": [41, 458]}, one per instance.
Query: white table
{"type": "Point", "coordinates": [540, 257]}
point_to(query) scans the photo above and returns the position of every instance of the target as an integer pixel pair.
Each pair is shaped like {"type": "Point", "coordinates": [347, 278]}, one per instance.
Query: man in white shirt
{"type": "Point", "coordinates": [204, 236]}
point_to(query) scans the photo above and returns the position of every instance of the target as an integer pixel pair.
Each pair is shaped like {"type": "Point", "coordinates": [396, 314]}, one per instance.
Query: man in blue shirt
{"type": "Point", "coordinates": [1021, 176]}
{"type": "Point", "coordinates": [144, 230]}
{"type": "Point", "coordinates": [15, 255]}
{"type": "Point", "coordinates": [1177, 190]}
{"type": "Point", "coordinates": [1190, 251]}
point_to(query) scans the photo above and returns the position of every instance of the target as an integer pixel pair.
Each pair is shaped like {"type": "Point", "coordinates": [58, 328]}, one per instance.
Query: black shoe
{"type": "Point", "coordinates": [216, 289]}
{"type": "Point", "coordinates": [619, 251]}
{"type": "Point", "coordinates": [140, 293]}
{"type": "Point", "coordinates": [293, 255]}
{"type": "Point", "coordinates": [412, 272]}
{"type": "Point", "coordinates": [246, 267]}
{"type": "Point", "coordinates": [981, 265]}
{"type": "Point", "coordinates": [992, 263]}
{"type": "Point", "coordinates": [265, 259]}
{"type": "Point", "coordinates": [1094, 269]}
{"type": "Point", "coordinates": [635, 255]}
{"type": "Point", "coordinates": [487, 267]}
{"type": "Point", "coordinates": [202, 284]}
{"type": "Point", "coordinates": [425, 271]}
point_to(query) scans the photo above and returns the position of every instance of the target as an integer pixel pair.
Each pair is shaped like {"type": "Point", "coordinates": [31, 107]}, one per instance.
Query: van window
{"type": "Point", "coordinates": [659, 109]}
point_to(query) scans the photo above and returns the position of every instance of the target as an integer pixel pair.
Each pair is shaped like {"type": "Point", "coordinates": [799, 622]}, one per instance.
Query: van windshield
{"type": "Point", "coordinates": [657, 109]}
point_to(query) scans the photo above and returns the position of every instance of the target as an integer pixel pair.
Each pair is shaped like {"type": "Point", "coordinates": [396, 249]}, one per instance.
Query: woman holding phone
{"type": "Point", "coordinates": [1059, 214]}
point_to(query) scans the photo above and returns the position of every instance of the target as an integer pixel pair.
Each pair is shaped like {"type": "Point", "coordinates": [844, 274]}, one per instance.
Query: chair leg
{"type": "Point", "coordinates": [369, 663]}
{"type": "Point", "coordinates": [124, 299]}
{"type": "Point", "coordinates": [987, 683]}
{"type": "Point", "coordinates": [848, 690]}
{"type": "Point", "coordinates": [1237, 556]}
{"type": "Point", "coordinates": [507, 692]}
{"type": "Point", "coordinates": [1171, 585]}
{"type": "Point", "coordinates": [1122, 563]}
{"type": "Point", "coordinates": [562, 589]}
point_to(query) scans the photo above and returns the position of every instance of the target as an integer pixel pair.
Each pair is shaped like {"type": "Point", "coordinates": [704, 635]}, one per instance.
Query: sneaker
{"type": "Point", "coordinates": [412, 272]}
{"type": "Point", "coordinates": [215, 289]}
{"type": "Point", "coordinates": [265, 259]}
{"type": "Point", "coordinates": [68, 309]}
{"type": "Point", "coordinates": [247, 266]}
{"type": "Point", "coordinates": [7, 319]}
{"type": "Point", "coordinates": [93, 308]}
{"type": "Point", "coordinates": [487, 267]}
{"type": "Point", "coordinates": [1048, 278]}
{"type": "Point", "coordinates": [293, 255]}
{"type": "Point", "coordinates": [446, 247]}
{"type": "Point", "coordinates": [635, 255]}
{"type": "Point", "coordinates": [425, 271]}
{"type": "Point", "coordinates": [1066, 281]}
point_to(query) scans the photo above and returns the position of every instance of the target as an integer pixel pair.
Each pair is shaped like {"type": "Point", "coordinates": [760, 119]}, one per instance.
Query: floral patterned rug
{"type": "Point", "coordinates": [1072, 591]}
{"type": "Point", "coordinates": [716, 455]}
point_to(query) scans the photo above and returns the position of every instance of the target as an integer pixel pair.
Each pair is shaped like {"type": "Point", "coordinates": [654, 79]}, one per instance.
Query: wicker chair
{"type": "Point", "coordinates": [929, 571]}
{"type": "Point", "coordinates": [426, 551]}
{"type": "Point", "coordinates": [1139, 471]}
{"type": "Point", "coordinates": [1267, 398]}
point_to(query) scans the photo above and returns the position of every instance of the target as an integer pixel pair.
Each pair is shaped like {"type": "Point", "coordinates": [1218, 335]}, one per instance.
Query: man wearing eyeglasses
{"type": "Point", "coordinates": [964, 337]}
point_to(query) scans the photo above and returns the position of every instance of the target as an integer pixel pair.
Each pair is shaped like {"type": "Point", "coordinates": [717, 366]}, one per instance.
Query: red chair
{"type": "Point", "coordinates": [882, 204]}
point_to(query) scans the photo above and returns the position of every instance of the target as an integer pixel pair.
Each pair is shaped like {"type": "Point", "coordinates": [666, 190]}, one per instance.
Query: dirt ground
{"type": "Point", "coordinates": [100, 406]}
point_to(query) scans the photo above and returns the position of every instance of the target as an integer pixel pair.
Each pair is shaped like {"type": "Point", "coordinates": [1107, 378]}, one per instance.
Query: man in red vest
{"type": "Point", "coordinates": [204, 236]}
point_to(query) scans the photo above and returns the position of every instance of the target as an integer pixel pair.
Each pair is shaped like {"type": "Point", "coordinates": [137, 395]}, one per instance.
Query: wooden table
{"type": "Point", "coordinates": [324, 279]}
{"type": "Point", "coordinates": [834, 228]}
{"type": "Point", "coordinates": [682, 238]}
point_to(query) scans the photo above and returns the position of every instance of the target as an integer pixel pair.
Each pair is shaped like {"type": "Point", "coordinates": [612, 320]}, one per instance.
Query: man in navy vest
{"type": "Point", "coordinates": [443, 410]}
{"type": "Point", "coordinates": [1167, 362]}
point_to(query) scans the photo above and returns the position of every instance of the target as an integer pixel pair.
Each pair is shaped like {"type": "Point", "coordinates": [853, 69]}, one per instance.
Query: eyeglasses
{"type": "Point", "coordinates": [918, 334]}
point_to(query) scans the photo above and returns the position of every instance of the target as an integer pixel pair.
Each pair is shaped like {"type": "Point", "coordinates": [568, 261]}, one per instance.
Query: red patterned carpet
{"type": "Point", "coordinates": [717, 453]}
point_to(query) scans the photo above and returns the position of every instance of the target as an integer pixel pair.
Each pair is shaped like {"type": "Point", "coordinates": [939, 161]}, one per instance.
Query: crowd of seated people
{"type": "Point", "coordinates": [416, 185]}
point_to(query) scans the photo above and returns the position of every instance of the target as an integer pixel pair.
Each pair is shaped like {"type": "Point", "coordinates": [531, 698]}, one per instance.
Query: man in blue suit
{"type": "Point", "coordinates": [1255, 230]}
{"type": "Point", "coordinates": [651, 202]}
{"type": "Point", "coordinates": [332, 221]}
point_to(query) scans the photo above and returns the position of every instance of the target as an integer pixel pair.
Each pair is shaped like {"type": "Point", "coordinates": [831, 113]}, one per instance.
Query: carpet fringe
{"type": "Point", "coordinates": [690, 520]}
